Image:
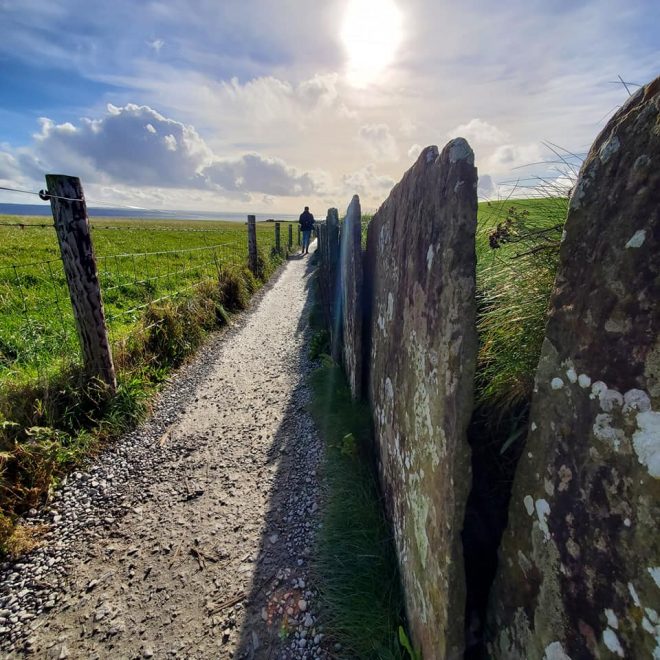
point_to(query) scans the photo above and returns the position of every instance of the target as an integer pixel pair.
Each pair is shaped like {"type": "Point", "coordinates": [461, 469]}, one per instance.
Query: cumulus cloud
{"type": "Point", "coordinates": [253, 172]}
{"type": "Point", "coordinates": [9, 168]}
{"type": "Point", "coordinates": [486, 186]}
{"type": "Point", "coordinates": [156, 44]}
{"type": "Point", "coordinates": [414, 151]}
{"type": "Point", "coordinates": [137, 146]}
{"type": "Point", "coordinates": [132, 144]}
{"type": "Point", "coordinates": [507, 156]}
{"type": "Point", "coordinates": [379, 141]}
{"type": "Point", "coordinates": [269, 99]}
{"type": "Point", "coordinates": [479, 132]}
{"type": "Point", "coordinates": [366, 182]}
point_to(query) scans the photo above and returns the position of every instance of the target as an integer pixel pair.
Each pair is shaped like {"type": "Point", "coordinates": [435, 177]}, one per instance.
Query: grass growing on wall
{"type": "Point", "coordinates": [356, 562]}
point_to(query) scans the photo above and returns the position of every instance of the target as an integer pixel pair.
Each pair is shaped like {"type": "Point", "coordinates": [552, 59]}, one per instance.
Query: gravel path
{"type": "Point", "coordinates": [190, 538]}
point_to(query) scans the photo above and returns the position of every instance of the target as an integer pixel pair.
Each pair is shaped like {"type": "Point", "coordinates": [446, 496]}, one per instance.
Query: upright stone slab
{"type": "Point", "coordinates": [351, 293]}
{"type": "Point", "coordinates": [333, 281]}
{"type": "Point", "coordinates": [421, 272]}
{"type": "Point", "coordinates": [579, 573]}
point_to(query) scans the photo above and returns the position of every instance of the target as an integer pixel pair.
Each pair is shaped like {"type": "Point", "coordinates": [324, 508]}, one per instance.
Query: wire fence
{"type": "Point", "coordinates": [37, 326]}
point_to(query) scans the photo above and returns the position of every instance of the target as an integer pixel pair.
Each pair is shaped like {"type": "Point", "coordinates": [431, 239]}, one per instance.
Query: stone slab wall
{"type": "Point", "coordinates": [579, 572]}
{"type": "Point", "coordinates": [421, 268]}
{"type": "Point", "coordinates": [351, 280]}
{"type": "Point", "coordinates": [333, 282]}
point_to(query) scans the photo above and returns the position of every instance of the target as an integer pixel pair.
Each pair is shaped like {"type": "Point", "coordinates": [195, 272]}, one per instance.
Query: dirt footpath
{"type": "Point", "coordinates": [191, 538]}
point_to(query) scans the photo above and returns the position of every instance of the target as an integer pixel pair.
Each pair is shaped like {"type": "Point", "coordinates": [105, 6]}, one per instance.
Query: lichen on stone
{"type": "Point", "coordinates": [637, 239]}
{"type": "Point", "coordinates": [646, 441]}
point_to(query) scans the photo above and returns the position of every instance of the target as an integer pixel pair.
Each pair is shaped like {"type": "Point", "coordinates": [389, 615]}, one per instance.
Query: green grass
{"type": "Point", "coordinates": [51, 417]}
{"type": "Point", "coordinates": [355, 559]}
{"type": "Point", "coordinates": [138, 261]}
{"type": "Point", "coordinates": [514, 283]}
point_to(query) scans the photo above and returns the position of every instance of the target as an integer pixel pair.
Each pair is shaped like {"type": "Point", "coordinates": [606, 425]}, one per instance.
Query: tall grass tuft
{"type": "Point", "coordinates": [517, 258]}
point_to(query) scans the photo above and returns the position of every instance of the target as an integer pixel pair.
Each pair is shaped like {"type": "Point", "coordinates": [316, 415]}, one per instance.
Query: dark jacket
{"type": "Point", "coordinates": [306, 221]}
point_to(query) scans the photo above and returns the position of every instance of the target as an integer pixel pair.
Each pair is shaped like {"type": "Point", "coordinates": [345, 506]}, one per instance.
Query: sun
{"type": "Point", "coordinates": [371, 33]}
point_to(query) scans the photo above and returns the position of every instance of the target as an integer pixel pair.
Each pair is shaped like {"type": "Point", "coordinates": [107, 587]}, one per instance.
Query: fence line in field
{"type": "Point", "coordinates": [31, 293]}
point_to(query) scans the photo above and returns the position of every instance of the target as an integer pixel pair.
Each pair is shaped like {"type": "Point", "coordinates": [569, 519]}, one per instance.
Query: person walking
{"type": "Point", "coordinates": [306, 221]}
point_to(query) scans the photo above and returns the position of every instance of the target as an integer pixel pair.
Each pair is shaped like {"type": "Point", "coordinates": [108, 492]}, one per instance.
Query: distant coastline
{"type": "Point", "coordinates": [147, 214]}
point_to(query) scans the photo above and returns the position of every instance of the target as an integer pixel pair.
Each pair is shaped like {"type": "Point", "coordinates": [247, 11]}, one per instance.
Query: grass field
{"type": "Point", "coordinates": [139, 261]}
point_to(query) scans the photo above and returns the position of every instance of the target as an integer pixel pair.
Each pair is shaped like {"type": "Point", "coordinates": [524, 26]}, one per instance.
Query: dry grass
{"type": "Point", "coordinates": [25, 538]}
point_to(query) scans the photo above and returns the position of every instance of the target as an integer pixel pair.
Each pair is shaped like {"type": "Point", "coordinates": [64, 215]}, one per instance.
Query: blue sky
{"type": "Point", "coordinates": [257, 106]}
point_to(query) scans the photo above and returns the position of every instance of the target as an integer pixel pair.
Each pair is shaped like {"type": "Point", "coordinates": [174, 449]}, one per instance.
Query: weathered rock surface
{"type": "Point", "coordinates": [351, 290]}
{"type": "Point", "coordinates": [332, 279]}
{"type": "Point", "coordinates": [328, 277]}
{"type": "Point", "coordinates": [421, 279]}
{"type": "Point", "coordinates": [579, 572]}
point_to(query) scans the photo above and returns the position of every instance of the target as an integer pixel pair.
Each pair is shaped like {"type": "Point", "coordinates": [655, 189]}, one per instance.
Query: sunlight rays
{"type": "Point", "coordinates": [371, 33]}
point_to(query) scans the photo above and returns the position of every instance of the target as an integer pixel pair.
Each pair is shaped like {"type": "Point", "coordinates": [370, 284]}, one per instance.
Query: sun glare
{"type": "Point", "coordinates": [371, 34]}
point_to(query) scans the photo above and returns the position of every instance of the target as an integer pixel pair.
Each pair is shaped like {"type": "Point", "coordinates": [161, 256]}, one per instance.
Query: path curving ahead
{"type": "Point", "coordinates": [191, 537]}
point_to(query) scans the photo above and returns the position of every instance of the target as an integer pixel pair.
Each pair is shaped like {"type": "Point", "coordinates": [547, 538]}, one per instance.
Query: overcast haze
{"type": "Point", "coordinates": [258, 106]}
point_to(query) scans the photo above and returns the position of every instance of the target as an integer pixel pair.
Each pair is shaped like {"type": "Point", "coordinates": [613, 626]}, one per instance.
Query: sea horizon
{"type": "Point", "coordinates": [145, 214]}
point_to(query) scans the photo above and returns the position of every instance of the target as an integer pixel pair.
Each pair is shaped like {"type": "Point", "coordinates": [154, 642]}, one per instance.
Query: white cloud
{"type": "Point", "coordinates": [255, 173]}
{"type": "Point", "coordinates": [365, 182]}
{"type": "Point", "coordinates": [486, 187]}
{"type": "Point", "coordinates": [156, 44]}
{"type": "Point", "coordinates": [478, 131]}
{"type": "Point", "coordinates": [137, 146]}
{"type": "Point", "coordinates": [379, 142]}
{"type": "Point", "coordinates": [506, 157]}
{"type": "Point", "coordinates": [9, 167]}
{"type": "Point", "coordinates": [414, 151]}
{"type": "Point", "coordinates": [261, 103]}
{"type": "Point", "coordinates": [132, 144]}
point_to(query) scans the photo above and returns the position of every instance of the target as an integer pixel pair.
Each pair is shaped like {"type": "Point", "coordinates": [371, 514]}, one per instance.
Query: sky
{"type": "Point", "coordinates": [256, 106]}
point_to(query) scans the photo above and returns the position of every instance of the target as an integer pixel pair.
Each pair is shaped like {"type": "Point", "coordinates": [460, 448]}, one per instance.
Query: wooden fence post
{"type": "Point", "coordinates": [277, 237]}
{"type": "Point", "coordinates": [290, 237]}
{"type": "Point", "coordinates": [299, 236]}
{"type": "Point", "coordinates": [252, 244]}
{"type": "Point", "coordinates": [67, 203]}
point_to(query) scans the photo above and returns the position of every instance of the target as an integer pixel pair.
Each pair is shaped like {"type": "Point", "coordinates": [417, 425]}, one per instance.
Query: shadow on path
{"type": "Point", "coordinates": [280, 609]}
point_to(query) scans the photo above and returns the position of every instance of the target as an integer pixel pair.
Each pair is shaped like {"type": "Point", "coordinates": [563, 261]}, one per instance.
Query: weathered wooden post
{"type": "Point", "coordinates": [299, 236]}
{"type": "Point", "coordinates": [290, 237]}
{"type": "Point", "coordinates": [252, 244]}
{"type": "Point", "coordinates": [67, 203]}
{"type": "Point", "coordinates": [277, 237]}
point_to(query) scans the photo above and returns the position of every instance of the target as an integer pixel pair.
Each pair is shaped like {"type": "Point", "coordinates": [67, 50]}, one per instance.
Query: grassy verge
{"type": "Point", "coordinates": [50, 425]}
{"type": "Point", "coordinates": [355, 558]}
